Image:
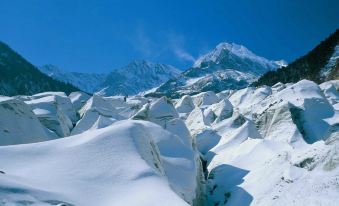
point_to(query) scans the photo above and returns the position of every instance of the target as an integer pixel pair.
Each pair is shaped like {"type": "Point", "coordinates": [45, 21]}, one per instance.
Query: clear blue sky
{"type": "Point", "coordinates": [100, 35]}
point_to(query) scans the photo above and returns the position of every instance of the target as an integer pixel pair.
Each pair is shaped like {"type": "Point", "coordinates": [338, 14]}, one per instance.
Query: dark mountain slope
{"type": "Point", "coordinates": [19, 77]}
{"type": "Point", "coordinates": [312, 66]}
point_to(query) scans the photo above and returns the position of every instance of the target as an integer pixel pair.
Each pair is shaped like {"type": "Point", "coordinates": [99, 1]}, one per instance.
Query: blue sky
{"type": "Point", "coordinates": [100, 35]}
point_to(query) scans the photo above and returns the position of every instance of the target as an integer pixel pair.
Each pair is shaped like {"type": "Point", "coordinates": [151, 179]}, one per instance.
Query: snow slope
{"type": "Point", "coordinates": [54, 110]}
{"type": "Point", "coordinates": [18, 124]}
{"type": "Point", "coordinates": [279, 146]}
{"type": "Point", "coordinates": [129, 163]}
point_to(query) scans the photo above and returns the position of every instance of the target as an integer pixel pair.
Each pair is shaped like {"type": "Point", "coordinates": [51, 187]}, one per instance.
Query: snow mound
{"type": "Point", "coordinates": [159, 112]}
{"type": "Point", "coordinates": [129, 163]}
{"type": "Point", "coordinates": [64, 103]}
{"type": "Point", "coordinates": [330, 91]}
{"type": "Point", "coordinates": [205, 99]}
{"type": "Point", "coordinates": [196, 121]}
{"type": "Point", "coordinates": [127, 107]}
{"type": "Point", "coordinates": [19, 125]}
{"type": "Point", "coordinates": [185, 104]}
{"type": "Point", "coordinates": [219, 111]}
{"type": "Point", "coordinates": [78, 99]}
{"type": "Point", "coordinates": [97, 113]}
{"type": "Point", "coordinates": [54, 111]}
{"type": "Point", "coordinates": [245, 99]}
{"type": "Point", "coordinates": [163, 113]}
{"type": "Point", "coordinates": [309, 108]}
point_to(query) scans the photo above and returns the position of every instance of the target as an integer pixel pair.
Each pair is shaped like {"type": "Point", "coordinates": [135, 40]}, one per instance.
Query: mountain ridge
{"type": "Point", "coordinates": [19, 77]}
{"type": "Point", "coordinates": [135, 77]}
{"type": "Point", "coordinates": [89, 82]}
{"type": "Point", "coordinates": [228, 66]}
{"type": "Point", "coordinates": [309, 66]}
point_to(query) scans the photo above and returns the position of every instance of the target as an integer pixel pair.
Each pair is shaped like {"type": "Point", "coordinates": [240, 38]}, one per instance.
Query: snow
{"type": "Point", "coordinates": [159, 112]}
{"type": "Point", "coordinates": [63, 102]}
{"type": "Point", "coordinates": [18, 124]}
{"type": "Point", "coordinates": [185, 104]}
{"type": "Point", "coordinates": [98, 164]}
{"type": "Point", "coordinates": [228, 66]}
{"type": "Point", "coordinates": [237, 50]}
{"type": "Point", "coordinates": [205, 99]}
{"type": "Point", "coordinates": [138, 76]}
{"type": "Point", "coordinates": [220, 111]}
{"type": "Point", "coordinates": [285, 138]}
{"type": "Point", "coordinates": [245, 99]}
{"type": "Point", "coordinates": [97, 113]}
{"type": "Point", "coordinates": [274, 145]}
{"type": "Point", "coordinates": [78, 99]}
{"type": "Point", "coordinates": [196, 121]}
{"type": "Point", "coordinates": [163, 113]}
{"type": "Point", "coordinates": [88, 82]}
{"type": "Point", "coordinates": [54, 112]}
{"type": "Point", "coordinates": [331, 93]}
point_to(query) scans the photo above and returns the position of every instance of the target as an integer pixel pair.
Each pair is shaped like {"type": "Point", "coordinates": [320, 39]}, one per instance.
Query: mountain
{"type": "Point", "coordinates": [320, 64]}
{"type": "Point", "coordinates": [138, 76]}
{"type": "Point", "coordinates": [228, 66]}
{"type": "Point", "coordinates": [18, 76]}
{"type": "Point", "coordinates": [88, 82]}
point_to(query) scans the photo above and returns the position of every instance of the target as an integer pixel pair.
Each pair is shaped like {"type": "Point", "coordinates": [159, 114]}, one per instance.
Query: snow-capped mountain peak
{"type": "Point", "coordinates": [224, 49]}
{"type": "Point", "coordinates": [144, 66]}
{"type": "Point", "coordinates": [137, 76]}
{"type": "Point", "coordinates": [227, 66]}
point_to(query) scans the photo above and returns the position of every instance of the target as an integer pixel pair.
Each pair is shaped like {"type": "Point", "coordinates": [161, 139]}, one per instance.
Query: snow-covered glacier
{"type": "Point", "coordinates": [263, 145]}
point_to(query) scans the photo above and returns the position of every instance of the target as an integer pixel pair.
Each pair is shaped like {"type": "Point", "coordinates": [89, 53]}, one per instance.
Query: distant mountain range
{"type": "Point", "coordinates": [228, 66]}
{"type": "Point", "coordinates": [18, 76]}
{"type": "Point", "coordinates": [88, 82]}
{"type": "Point", "coordinates": [319, 65]}
{"type": "Point", "coordinates": [138, 76]}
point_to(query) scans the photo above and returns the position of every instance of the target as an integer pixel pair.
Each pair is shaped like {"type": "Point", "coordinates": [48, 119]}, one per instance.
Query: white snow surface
{"type": "Point", "coordinates": [129, 163]}
{"type": "Point", "coordinates": [274, 145]}
{"type": "Point", "coordinates": [78, 99]}
{"type": "Point", "coordinates": [18, 124]}
{"type": "Point", "coordinates": [54, 110]}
